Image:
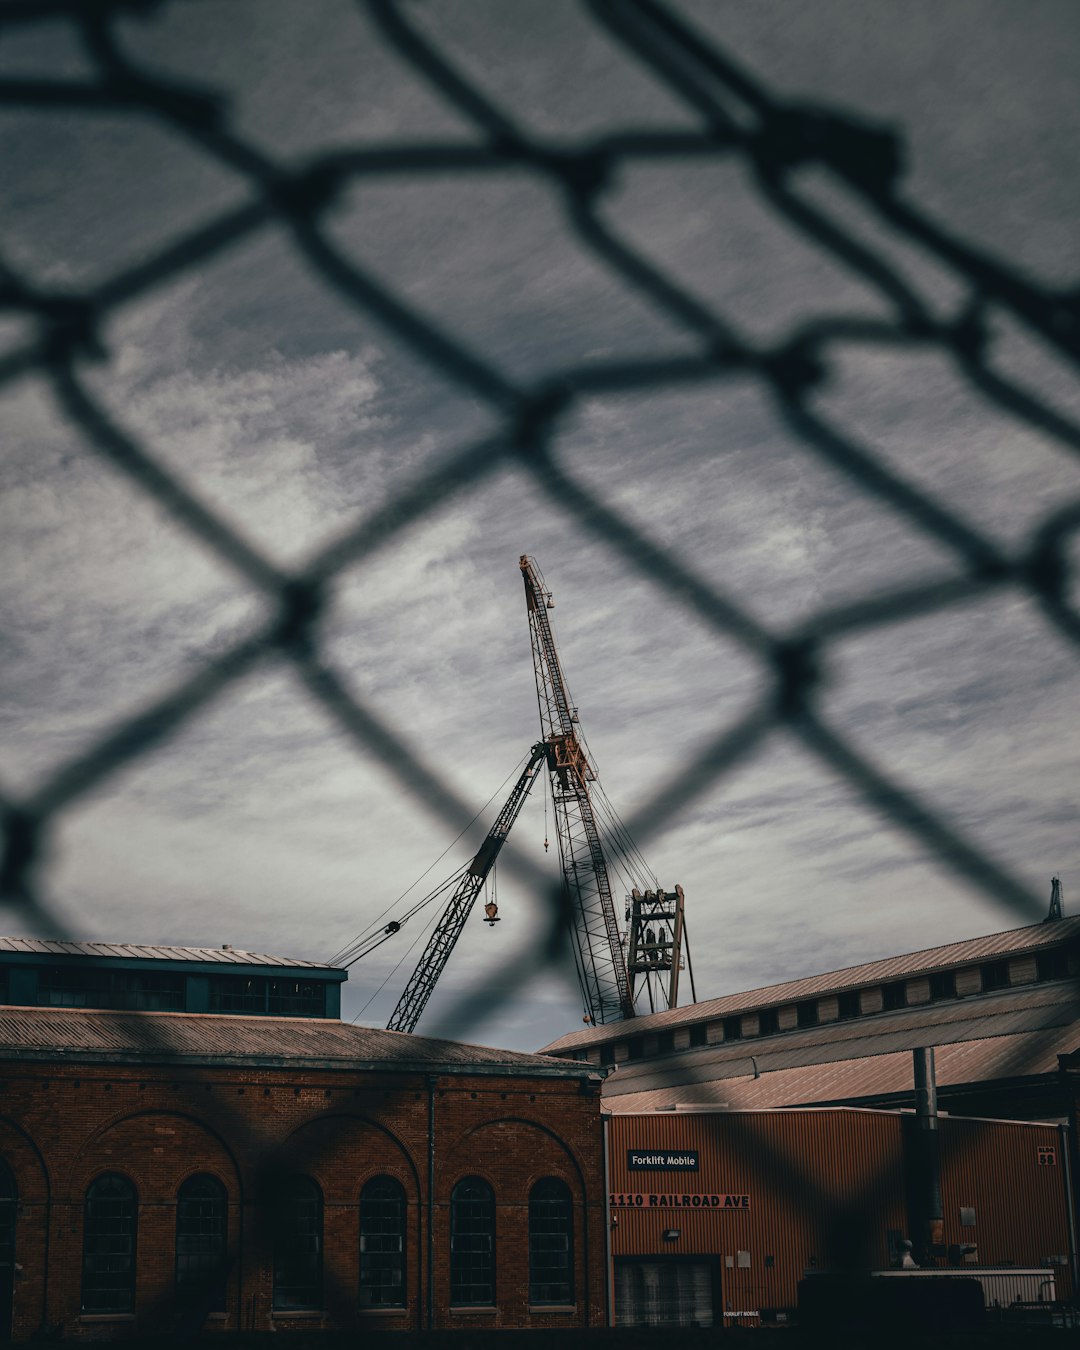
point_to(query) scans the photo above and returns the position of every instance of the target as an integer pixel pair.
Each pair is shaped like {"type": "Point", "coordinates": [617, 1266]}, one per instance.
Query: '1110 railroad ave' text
{"type": "Point", "coordinates": [622, 1200]}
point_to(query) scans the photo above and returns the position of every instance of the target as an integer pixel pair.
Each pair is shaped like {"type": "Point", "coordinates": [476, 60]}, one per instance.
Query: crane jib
{"type": "Point", "coordinates": [421, 985]}
{"type": "Point", "coordinates": [605, 982]}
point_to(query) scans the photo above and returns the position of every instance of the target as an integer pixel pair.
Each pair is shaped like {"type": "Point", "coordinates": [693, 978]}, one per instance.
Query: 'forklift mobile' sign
{"type": "Point", "coordinates": [661, 1160]}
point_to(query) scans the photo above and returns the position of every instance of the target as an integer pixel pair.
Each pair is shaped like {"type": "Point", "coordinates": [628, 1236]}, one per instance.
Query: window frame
{"type": "Point", "coordinates": [125, 1246]}
{"type": "Point", "coordinates": [1052, 964]}
{"type": "Point", "coordinates": [370, 1289]}
{"type": "Point", "coordinates": [289, 1240]}
{"type": "Point", "coordinates": [807, 1013]}
{"type": "Point", "coordinates": [994, 975]}
{"type": "Point", "coordinates": [205, 1271]}
{"type": "Point", "coordinates": [894, 996]}
{"type": "Point", "coordinates": [942, 985]}
{"type": "Point", "coordinates": [475, 1241]}
{"type": "Point", "coordinates": [561, 1195]}
{"type": "Point", "coordinates": [61, 986]}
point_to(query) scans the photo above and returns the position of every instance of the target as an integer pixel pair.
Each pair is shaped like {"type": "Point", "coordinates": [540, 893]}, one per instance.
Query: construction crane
{"type": "Point", "coordinates": [602, 972]}
{"type": "Point", "coordinates": [610, 983]}
{"type": "Point", "coordinates": [441, 943]}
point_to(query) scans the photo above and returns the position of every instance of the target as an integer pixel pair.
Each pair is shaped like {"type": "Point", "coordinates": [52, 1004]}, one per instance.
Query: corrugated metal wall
{"type": "Point", "coordinates": [825, 1188]}
{"type": "Point", "coordinates": [994, 1168]}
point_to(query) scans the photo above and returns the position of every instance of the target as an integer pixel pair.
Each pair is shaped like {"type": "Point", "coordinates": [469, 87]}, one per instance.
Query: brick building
{"type": "Point", "coordinates": [191, 1136]}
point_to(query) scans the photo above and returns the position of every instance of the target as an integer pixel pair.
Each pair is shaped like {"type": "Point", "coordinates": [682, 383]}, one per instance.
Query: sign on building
{"type": "Point", "coordinates": [662, 1160]}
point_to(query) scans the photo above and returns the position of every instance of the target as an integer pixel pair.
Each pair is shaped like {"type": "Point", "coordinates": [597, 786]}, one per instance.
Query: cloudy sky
{"type": "Point", "coordinates": [260, 823]}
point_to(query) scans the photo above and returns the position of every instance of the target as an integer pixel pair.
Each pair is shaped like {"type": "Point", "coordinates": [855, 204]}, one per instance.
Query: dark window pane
{"type": "Point", "coordinates": [848, 1005]}
{"type": "Point", "coordinates": [296, 998]}
{"type": "Point", "coordinates": [768, 1022]}
{"type": "Point", "coordinates": [238, 993]}
{"type": "Point", "coordinates": [201, 1232]}
{"type": "Point", "coordinates": [806, 1013]}
{"type": "Point", "coordinates": [894, 996]}
{"type": "Point", "coordinates": [472, 1243]}
{"type": "Point", "coordinates": [665, 1042]}
{"type": "Point", "coordinates": [551, 1243]}
{"type": "Point", "coordinates": [943, 984]}
{"type": "Point", "coordinates": [1052, 965]}
{"type": "Point", "coordinates": [635, 1048]}
{"type": "Point", "coordinates": [298, 1221]}
{"type": "Point", "coordinates": [699, 1034]}
{"type": "Point", "coordinates": [732, 1028]}
{"type": "Point", "coordinates": [607, 1054]}
{"type": "Point", "coordinates": [256, 994]}
{"type": "Point", "coordinates": [109, 1224]}
{"type": "Point", "coordinates": [382, 1243]}
{"type": "Point", "coordinates": [141, 990]}
{"type": "Point", "coordinates": [995, 975]}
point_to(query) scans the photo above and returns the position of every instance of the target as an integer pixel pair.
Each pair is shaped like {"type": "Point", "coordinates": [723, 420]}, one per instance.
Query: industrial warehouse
{"type": "Point", "coordinates": [191, 1138]}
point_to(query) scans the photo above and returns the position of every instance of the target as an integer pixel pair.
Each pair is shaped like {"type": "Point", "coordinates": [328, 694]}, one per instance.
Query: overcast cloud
{"type": "Point", "coordinates": [260, 823]}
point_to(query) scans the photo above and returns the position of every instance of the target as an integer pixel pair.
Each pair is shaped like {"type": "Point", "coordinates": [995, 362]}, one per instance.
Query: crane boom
{"type": "Point", "coordinates": [411, 1004]}
{"type": "Point", "coordinates": [601, 965]}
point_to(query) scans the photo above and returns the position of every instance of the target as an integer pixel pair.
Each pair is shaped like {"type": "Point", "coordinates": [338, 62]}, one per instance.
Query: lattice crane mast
{"type": "Point", "coordinates": [443, 939]}
{"type": "Point", "coordinates": [605, 984]}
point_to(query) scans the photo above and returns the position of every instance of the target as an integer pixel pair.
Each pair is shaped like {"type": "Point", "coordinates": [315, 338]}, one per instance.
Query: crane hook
{"type": "Point", "coordinates": [491, 912]}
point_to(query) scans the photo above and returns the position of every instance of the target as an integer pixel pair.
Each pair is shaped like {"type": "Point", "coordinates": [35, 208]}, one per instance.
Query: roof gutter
{"type": "Point", "coordinates": [470, 1069]}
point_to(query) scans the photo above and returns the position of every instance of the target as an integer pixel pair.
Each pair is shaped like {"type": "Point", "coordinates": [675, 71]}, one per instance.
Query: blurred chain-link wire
{"type": "Point", "coordinates": [737, 118]}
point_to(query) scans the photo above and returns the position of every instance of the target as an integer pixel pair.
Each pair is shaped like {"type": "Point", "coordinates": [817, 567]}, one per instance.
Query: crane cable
{"type": "Point", "coordinates": [377, 939]}
{"type": "Point", "coordinates": [341, 957]}
{"type": "Point", "coordinates": [423, 932]}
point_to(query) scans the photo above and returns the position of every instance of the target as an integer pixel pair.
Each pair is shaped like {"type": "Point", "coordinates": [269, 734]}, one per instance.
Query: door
{"type": "Point", "coordinates": [666, 1291]}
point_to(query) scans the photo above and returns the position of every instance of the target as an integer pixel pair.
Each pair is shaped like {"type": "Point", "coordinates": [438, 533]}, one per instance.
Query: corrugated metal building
{"type": "Point", "coordinates": [716, 1216]}
{"type": "Point", "coordinates": [999, 1010]}
{"type": "Point", "coordinates": [785, 1171]}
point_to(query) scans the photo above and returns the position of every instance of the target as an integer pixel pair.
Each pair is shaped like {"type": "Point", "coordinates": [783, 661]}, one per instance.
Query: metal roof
{"type": "Point", "coordinates": [228, 956]}
{"type": "Point", "coordinates": [205, 1038]}
{"type": "Point", "coordinates": [1002, 1014]}
{"type": "Point", "coordinates": [1023, 1055]}
{"type": "Point", "coordinates": [948, 957]}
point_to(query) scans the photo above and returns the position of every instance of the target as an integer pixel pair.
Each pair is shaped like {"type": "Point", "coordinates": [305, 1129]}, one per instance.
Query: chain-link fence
{"type": "Point", "coordinates": [735, 119]}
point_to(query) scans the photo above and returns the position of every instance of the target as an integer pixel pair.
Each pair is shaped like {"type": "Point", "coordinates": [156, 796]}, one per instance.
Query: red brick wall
{"type": "Point", "coordinates": [62, 1125]}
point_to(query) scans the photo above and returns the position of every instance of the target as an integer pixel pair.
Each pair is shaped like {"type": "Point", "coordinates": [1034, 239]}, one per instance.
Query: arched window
{"type": "Point", "coordinates": [298, 1232]}
{"type": "Point", "coordinates": [109, 1229]}
{"type": "Point", "coordinates": [9, 1199]}
{"type": "Point", "coordinates": [551, 1242]}
{"type": "Point", "coordinates": [201, 1233]}
{"type": "Point", "coordinates": [472, 1243]}
{"type": "Point", "coordinates": [382, 1243]}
